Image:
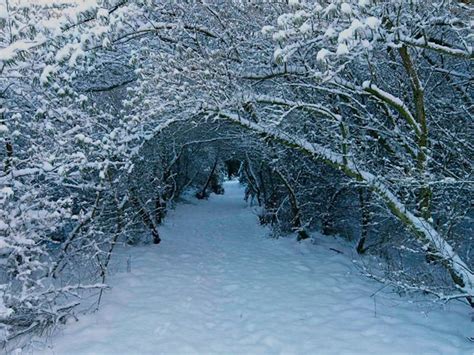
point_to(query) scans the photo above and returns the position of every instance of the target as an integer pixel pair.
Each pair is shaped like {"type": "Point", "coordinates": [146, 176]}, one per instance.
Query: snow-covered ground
{"type": "Point", "coordinates": [217, 285]}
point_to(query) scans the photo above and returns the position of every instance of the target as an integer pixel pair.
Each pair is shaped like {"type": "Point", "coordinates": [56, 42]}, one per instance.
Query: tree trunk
{"type": "Point", "coordinates": [295, 208]}
{"type": "Point", "coordinates": [424, 204]}
{"type": "Point", "coordinates": [203, 193]}
{"type": "Point", "coordinates": [365, 220]}
{"type": "Point", "coordinates": [146, 218]}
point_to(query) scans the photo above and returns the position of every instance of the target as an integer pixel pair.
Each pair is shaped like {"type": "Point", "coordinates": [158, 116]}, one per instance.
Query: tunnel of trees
{"type": "Point", "coordinates": [352, 118]}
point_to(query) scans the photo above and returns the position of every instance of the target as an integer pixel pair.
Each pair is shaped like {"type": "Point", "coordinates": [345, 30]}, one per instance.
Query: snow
{"type": "Point", "coordinates": [216, 284]}
{"type": "Point", "coordinates": [349, 33]}
{"type": "Point", "coordinates": [4, 311]}
{"type": "Point", "coordinates": [3, 128]}
{"type": "Point", "coordinates": [267, 29]}
{"type": "Point", "coordinates": [342, 49]}
{"type": "Point", "coordinates": [102, 13]}
{"type": "Point", "coordinates": [329, 9]}
{"type": "Point", "coordinates": [3, 11]}
{"type": "Point", "coordinates": [330, 32]}
{"type": "Point", "coordinates": [47, 72]}
{"type": "Point", "coordinates": [394, 101]}
{"type": "Point", "coordinates": [467, 52]}
{"type": "Point", "coordinates": [346, 8]}
{"type": "Point", "coordinates": [345, 35]}
{"type": "Point", "coordinates": [3, 227]}
{"type": "Point", "coordinates": [10, 52]}
{"type": "Point", "coordinates": [373, 22]}
{"type": "Point", "coordinates": [322, 54]}
{"type": "Point", "coordinates": [305, 27]}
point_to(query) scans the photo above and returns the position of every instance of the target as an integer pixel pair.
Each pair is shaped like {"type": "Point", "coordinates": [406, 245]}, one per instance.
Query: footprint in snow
{"type": "Point", "coordinates": [231, 288]}
{"type": "Point", "coordinates": [302, 268]}
{"type": "Point", "coordinates": [162, 329]}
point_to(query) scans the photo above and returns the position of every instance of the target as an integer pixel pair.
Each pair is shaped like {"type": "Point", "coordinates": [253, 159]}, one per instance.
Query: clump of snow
{"type": "Point", "coordinates": [300, 15]}
{"type": "Point", "coordinates": [11, 51]}
{"type": "Point", "coordinates": [6, 191]}
{"type": "Point", "coordinates": [372, 22]}
{"type": "Point", "coordinates": [317, 8]}
{"type": "Point", "coordinates": [322, 54]}
{"type": "Point", "coordinates": [366, 84]}
{"type": "Point", "coordinates": [82, 98]}
{"type": "Point", "coordinates": [279, 35]}
{"type": "Point", "coordinates": [284, 19]}
{"type": "Point", "coordinates": [46, 74]}
{"type": "Point", "coordinates": [305, 27]}
{"type": "Point", "coordinates": [102, 13]}
{"type": "Point", "coordinates": [330, 32]}
{"type": "Point", "coordinates": [342, 49]}
{"type": "Point", "coordinates": [346, 8]}
{"type": "Point", "coordinates": [4, 311]}
{"type": "Point", "coordinates": [348, 33]}
{"type": "Point", "coordinates": [3, 11]}
{"type": "Point", "coordinates": [345, 35]}
{"type": "Point", "coordinates": [331, 8]}
{"type": "Point", "coordinates": [3, 226]}
{"type": "Point", "coordinates": [267, 29]}
{"type": "Point", "coordinates": [83, 139]}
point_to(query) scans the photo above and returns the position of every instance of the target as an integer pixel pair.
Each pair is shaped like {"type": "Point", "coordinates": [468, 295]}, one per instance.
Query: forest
{"type": "Point", "coordinates": [347, 119]}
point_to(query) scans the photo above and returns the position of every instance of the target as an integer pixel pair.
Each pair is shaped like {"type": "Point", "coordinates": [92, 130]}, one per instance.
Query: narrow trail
{"type": "Point", "coordinates": [216, 284]}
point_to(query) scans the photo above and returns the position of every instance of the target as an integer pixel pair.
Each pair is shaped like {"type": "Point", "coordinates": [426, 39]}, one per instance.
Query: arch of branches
{"type": "Point", "coordinates": [352, 120]}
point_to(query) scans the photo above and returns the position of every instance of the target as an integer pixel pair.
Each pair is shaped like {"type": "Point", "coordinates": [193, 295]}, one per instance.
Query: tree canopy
{"type": "Point", "coordinates": [352, 117]}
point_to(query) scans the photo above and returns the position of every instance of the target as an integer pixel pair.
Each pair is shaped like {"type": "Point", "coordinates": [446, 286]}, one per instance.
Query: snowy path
{"type": "Point", "coordinates": [217, 285]}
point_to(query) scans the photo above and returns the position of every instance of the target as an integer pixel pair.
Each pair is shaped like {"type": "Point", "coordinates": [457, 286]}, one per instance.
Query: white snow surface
{"type": "Point", "coordinates": [217, 284]}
